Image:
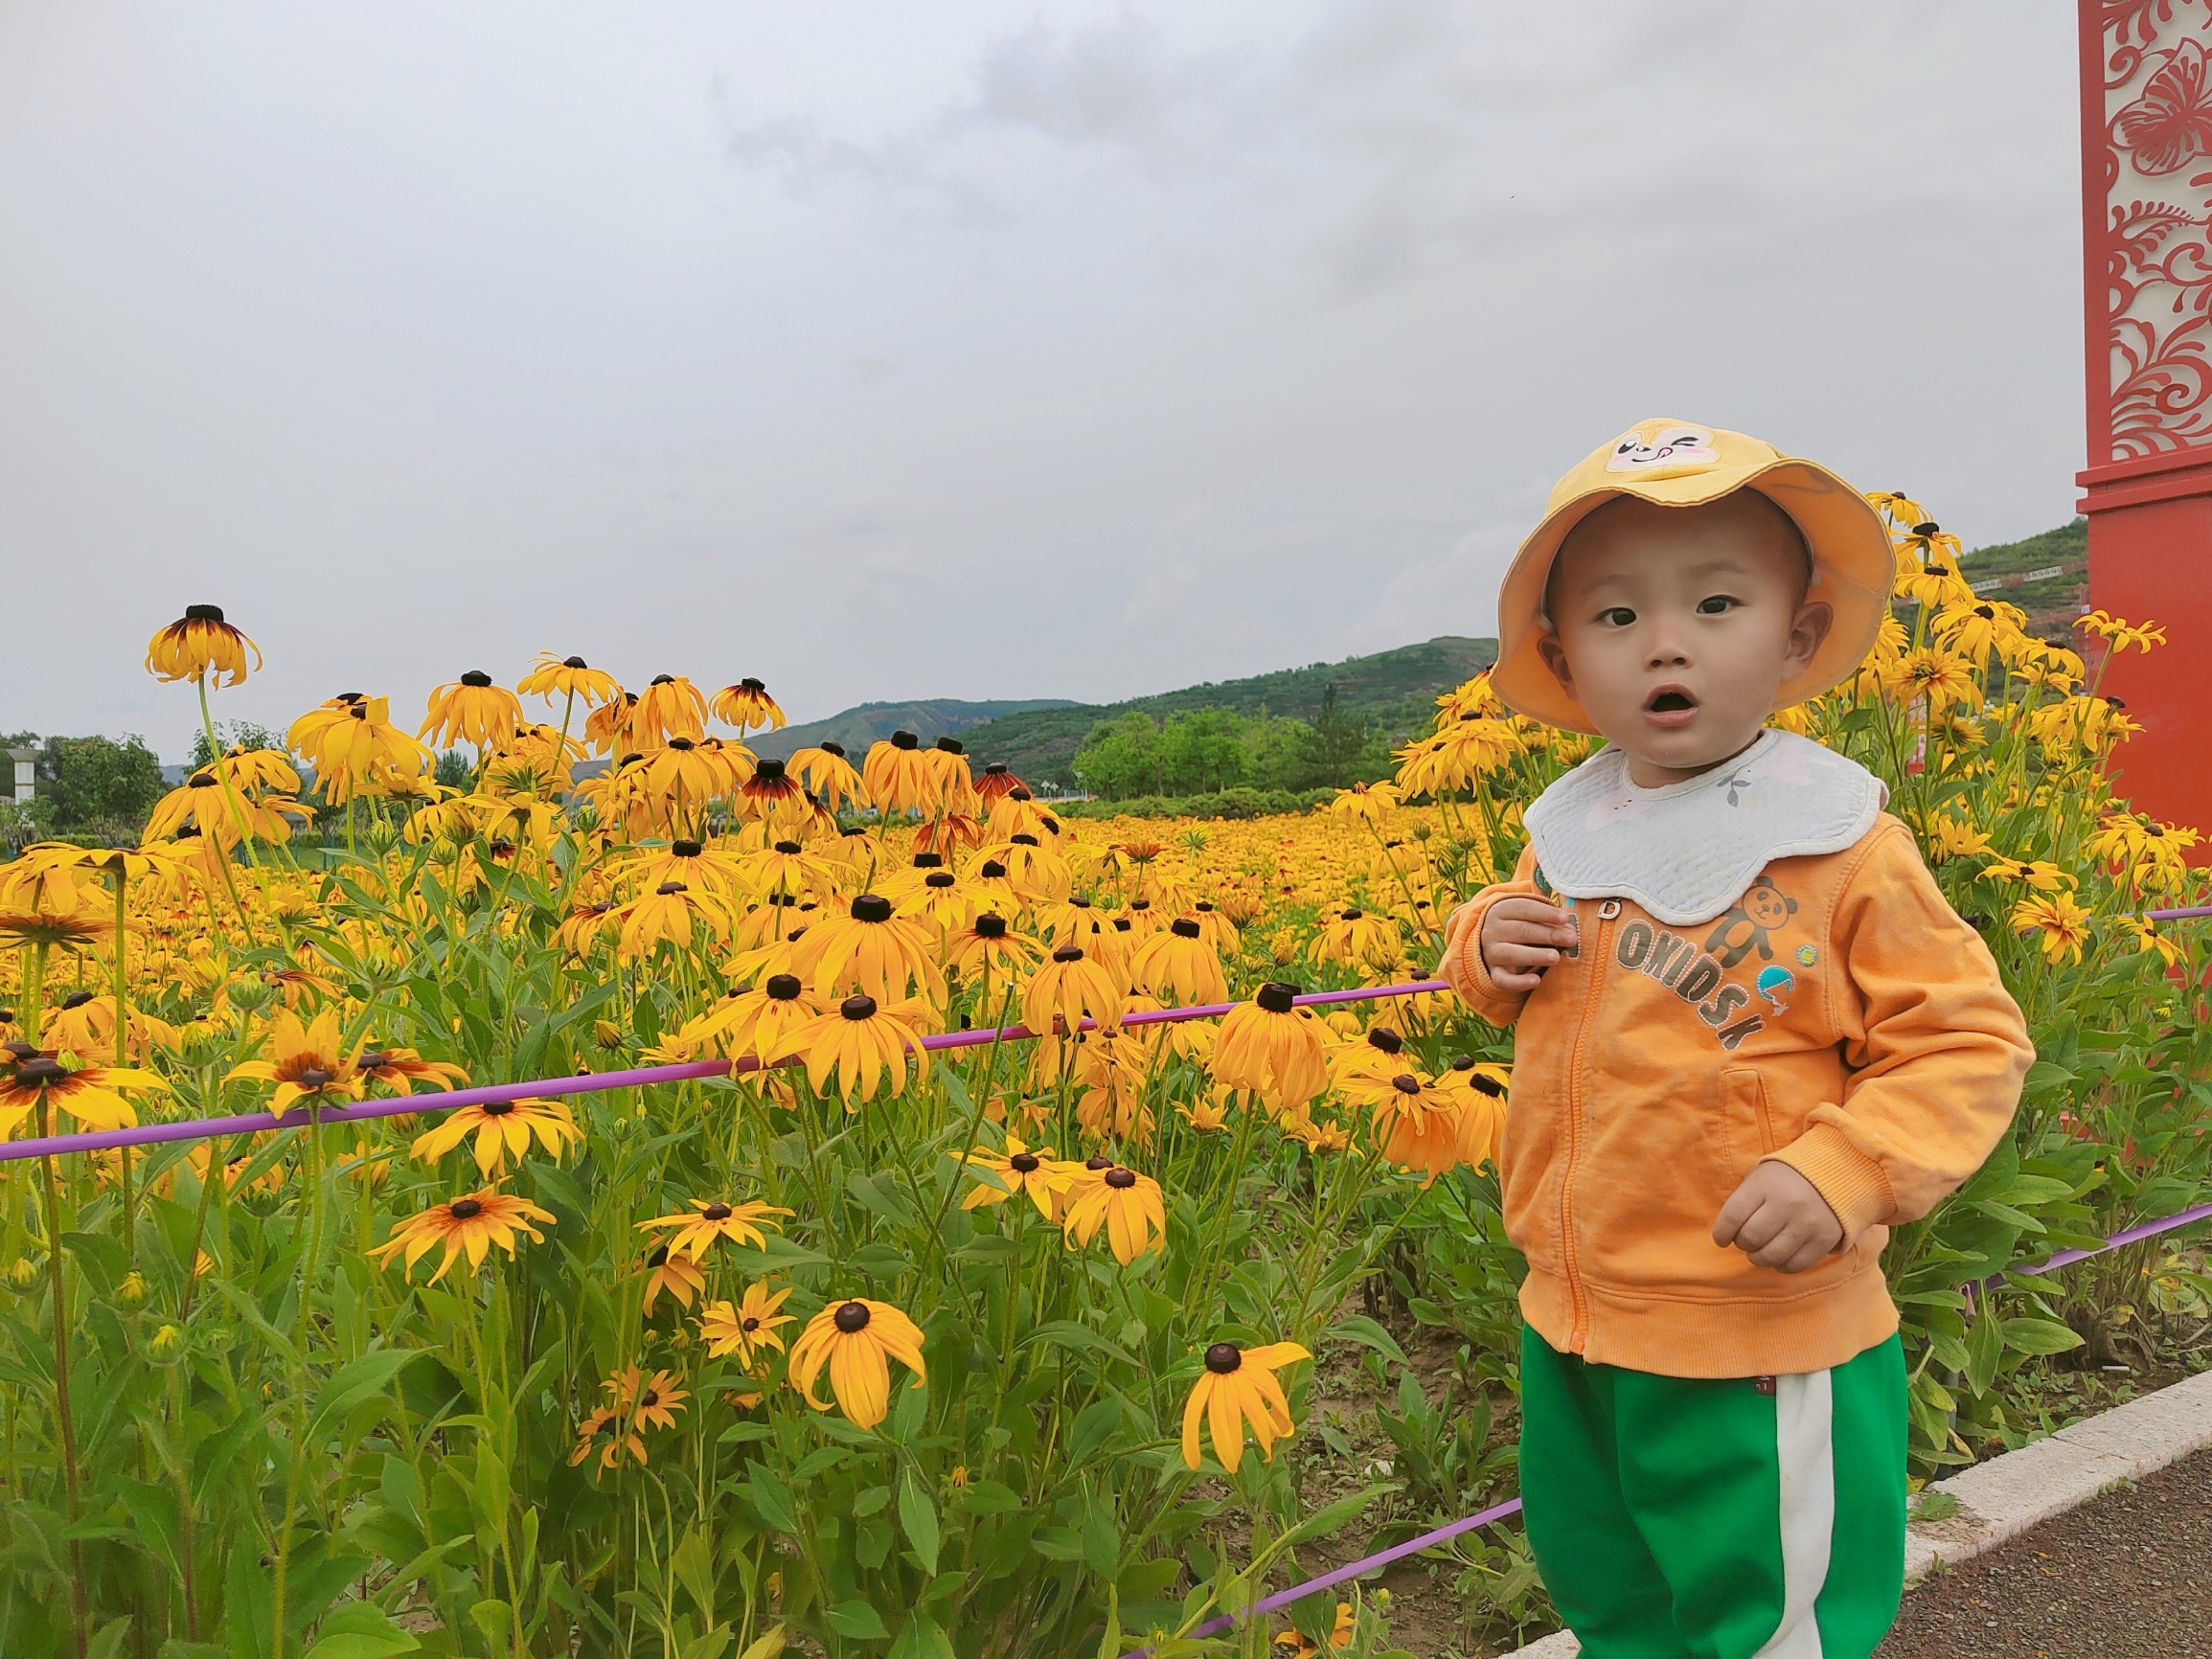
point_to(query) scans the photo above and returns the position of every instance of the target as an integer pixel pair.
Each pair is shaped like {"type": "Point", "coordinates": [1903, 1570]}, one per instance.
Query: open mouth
{"type": "Point", "coordinates": [1671, 703]}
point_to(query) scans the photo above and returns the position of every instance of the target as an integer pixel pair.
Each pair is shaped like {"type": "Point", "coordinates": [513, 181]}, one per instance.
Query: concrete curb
{"type": "Point", "coordinates": [2000, 1499]}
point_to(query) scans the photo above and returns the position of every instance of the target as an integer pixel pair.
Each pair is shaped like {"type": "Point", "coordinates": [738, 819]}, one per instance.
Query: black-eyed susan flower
{"type": "Point", "coordinates": [1067, 989]}
{"type": "Point", "coordinates": [2039, 875]}
{"type": "Point", "coordinates": [987, 948]}
{"type": "Point", "coordinates": [863, 1045]}
{"type": "Point", "coordinates": [307, 1063]}
{"type": "Point", "coordinates": [200, 643]}
{"type": "Point", "coordinates": [670, 707]}
{"type": "Point", "coordinates": [1179, 964]}
{"type": "Point", "coordinates": [711, 1219]}
{"type": "Point", "coordinates": [856, 1340]}
{"type": "Point", "coordinates": [868, 949]}
{"type": "Point", "coordinates": [653, 1402]}
{"type": "Point", "coordinates": [895, 775]}
{"type": "Point", "coordinates": [94, 1095]}
{"type": "Point", "coordinates": [671, 912]}
{"type": "Point", "coordinates": [502, 1130]}
{"type": "Point", "coordinates": [1417, 1125]}
{"type": "Point", "coordinates": [400, 1069]}
{"type": "Point", "coordinates": [1268, 1047]}
{"type": "Point", "coordinates": [2063, 924]}
{"type": "Point", "coordinates": [828, 774]}
{"type": "Point", "coordinates": [750, 1329]}
{"type": "Point", "coordinates": [605, 1432]}
{"type": "Point", "coordinates": [472, 710]}
{"type": "Point", "coordinates": [674, 1272]}
{"type": "Point", "coordinates": [608, 730]}
{"type": "Point", "coordinates": [749, 1022]}
{"type": "Point", "coordinates": [996, 783]}
{"type": "Point", "coordinates": [466, 1226]}
{"type": "Point", "coordinates": [1130, 1206]}
{"type": "Point", "coordinates": [1238, 1387]}
{"type": "Point", "coordinates": [557, 679]}
{"type": "Point", "coordinates": [747, 706]}
{"type": "Point", "coordinates": [1019, 1172]}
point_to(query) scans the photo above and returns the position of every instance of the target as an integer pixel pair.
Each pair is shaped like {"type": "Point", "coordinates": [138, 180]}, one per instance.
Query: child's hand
{"type": "Point", "coordinates": [1521, 937]}
{"type": "Point", "coordinates": [1778, 1219]}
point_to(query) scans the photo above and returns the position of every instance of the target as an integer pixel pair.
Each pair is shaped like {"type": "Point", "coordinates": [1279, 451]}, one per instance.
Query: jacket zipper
{"type": "Point", "coordinates": [1578, 1337]}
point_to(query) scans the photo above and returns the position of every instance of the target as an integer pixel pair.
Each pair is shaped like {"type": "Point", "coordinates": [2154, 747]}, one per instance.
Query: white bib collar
{"type": "Point", "coordinates": [1688, 851]}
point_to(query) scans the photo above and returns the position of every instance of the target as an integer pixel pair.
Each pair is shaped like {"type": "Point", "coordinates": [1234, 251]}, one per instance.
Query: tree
{"type": "Point", "coordinates": [1123, 757]}
{"type": "Point", "coordinates": [100, 784]}
{"type": "Point", "coordinates": [454, 770]}
{"type": "Point", "coordinates": [1339, 742]}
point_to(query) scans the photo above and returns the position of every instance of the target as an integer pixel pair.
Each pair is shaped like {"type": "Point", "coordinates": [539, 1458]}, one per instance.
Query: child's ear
{"type": "Point", "coordinates": [1555, 658]}
{"type": "Point", "coordinates": [1810, 626]}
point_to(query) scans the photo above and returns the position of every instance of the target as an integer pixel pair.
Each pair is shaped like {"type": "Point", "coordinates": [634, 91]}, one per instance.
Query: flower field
{"type": "Point", "coordinates": [854, 1348]}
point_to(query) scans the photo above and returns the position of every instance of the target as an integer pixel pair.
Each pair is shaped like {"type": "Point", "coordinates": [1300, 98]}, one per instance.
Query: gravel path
{"type": "Point", "coordinates": [2127, 1575]}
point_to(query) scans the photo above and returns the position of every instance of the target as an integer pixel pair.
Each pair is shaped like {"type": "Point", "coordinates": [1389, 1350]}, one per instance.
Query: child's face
{"type": "Point", "coordinates": [1674, 627]}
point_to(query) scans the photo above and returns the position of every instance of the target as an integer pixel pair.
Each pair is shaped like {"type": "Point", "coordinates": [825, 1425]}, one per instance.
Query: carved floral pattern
{"type": "Point", "coordinates": [2157, 249]}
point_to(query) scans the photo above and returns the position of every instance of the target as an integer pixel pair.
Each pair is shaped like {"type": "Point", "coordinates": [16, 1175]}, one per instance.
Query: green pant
{"type": "Point", "coordinates": [1743, 1518]}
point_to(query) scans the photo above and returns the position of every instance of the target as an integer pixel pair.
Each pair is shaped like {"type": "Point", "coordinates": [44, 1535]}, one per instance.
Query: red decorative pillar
{"type": "Point", "coordinates": [2146, 302]}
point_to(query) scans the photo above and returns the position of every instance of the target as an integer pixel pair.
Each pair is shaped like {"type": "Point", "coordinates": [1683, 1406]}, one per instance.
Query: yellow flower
{"type": "Point", "coordinates": [1369, 804]}
{"type": "Point", "coordinates": [747, 706]}
{"type": "Point", "coordinates": [747, 1329]}
{"type": "Point", "coordinates": [1948, 838]}
{"type": "Point", "coordinates": [675, 1273]}
{"type": "Point", "coordinates": [856, 1340]}
{"type": "Point", "coordinates": [562, 677]}
{"type": "Point", "coordinates": [469, 1225]}
{"type": "Point", "coordinates": [866, 1045]}
{"type": "Point", "coordinates": [92, 1095]}
{"type": "Point", "coordinates": [1941, 678]}
{"type": "Point", "coordinates": [1019, 1171]}
{"type": "Point", "coordinates": [199, 643]}
{"type": "Point", "coordinates": [1130, 1206]}
{"type": "Point", "coordinates": [1067, 989]}
{"type": "Point", "coordinates": [1237, 1387]}
{"type": "Point", "coordinates": [1268, 1045]}
{"type": "Point", "coordinates": [2149, 937]}
{"type": "Point", "coordinates": [2062, 924]}
{"type": "Point", "coordinates": [2121, 634]}
{"type": "Point", "coordinates": [696, 1234]}
{"type": "Point", "coordinates": [308, 1063]}
{"type": "Point", "coordinates": [2038, 873]}
{"type": "Point", "coordinates": [472, 710]}
{"type": "Point", "coordinates": [871, 950]}
{"type": "Point", "coordinates": [502, 1129]}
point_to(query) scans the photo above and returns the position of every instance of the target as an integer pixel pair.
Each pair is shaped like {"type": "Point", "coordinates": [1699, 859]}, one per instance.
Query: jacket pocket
{"type": "Point", "coordinates": [1744, 1107]}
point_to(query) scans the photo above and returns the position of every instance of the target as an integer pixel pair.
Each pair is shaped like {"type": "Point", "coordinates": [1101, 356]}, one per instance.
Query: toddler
{"type": "Point", "coordinates": [1752, 1037]}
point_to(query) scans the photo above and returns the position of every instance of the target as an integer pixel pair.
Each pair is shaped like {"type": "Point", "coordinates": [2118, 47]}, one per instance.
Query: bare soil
{"type": "Point", "coordinates": [2127, 1575]}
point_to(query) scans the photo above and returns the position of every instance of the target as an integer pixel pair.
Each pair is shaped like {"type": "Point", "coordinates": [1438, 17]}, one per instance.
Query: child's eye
{"type": "Point", "coordinates": [1620, 616]}
{"type": "Point", "coordinates": [1716, 604]}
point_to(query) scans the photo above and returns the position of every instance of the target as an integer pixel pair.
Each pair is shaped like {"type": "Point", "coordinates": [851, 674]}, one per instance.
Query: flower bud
{"type": "Point", "coordinates": [132, 1290]}
{"type": "Point", "coordinates": [23, 1273]}
{"type": "Point", "coordinates": [167, 1344]}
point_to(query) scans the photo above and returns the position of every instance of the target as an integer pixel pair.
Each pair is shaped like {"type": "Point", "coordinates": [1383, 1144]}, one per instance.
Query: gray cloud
{"type": "Point", "coordinates": [967, 354]}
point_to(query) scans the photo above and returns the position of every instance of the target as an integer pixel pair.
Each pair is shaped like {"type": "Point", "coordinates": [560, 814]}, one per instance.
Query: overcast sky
{"type": "Point", "coordinates": [970, 348]}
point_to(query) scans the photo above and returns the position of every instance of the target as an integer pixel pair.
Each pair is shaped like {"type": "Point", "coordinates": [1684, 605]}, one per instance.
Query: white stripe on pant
{"type": "Point", "coordinates": [1804, 1448]}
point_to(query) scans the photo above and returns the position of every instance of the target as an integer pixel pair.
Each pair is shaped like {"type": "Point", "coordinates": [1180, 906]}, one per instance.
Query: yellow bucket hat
{"type": "Point", "coordinates": [1681, 463]}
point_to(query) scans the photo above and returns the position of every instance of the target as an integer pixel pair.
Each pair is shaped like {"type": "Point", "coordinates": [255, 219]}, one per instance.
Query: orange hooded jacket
{"type": "Point", "coordinates": [1841, 1019]}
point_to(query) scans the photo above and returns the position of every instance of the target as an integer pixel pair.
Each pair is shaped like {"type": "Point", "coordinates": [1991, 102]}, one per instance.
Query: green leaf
{"type": "Point", "coordinates": [773, 1499]}
{"type": "Point", "coordinates": [1428, 1312]}
{"type": "Point", "coordinates": [918, 1520]}
{"type": "Point", "coordinates": [1076, 1339]}
{"type": "Point", "coordinates": [1092, 1430]}
{"type": "Point", "coordinates": [693, 1561]}
{"type": "Point", "coordinates": [921, 1638]}
{"type": "Point", "coordinates": [1367, 1333]}
{"type": "Point", "coordinates": [2040, 1337]}
{"type": "Point", "coordinates": [352, 1383]}
{"type": "Point", "coordinates": [711, 1645]}
{"type": "Point", "coordinates": [986, 1498]}
{"type": "Point", "coordinates": [1102, 1540]}
{"type": "Point", "coordinates": [1985, 1349]}
{"type": "Point", "coordinates": [858, 1620]}
{"type": "Point", "coordinates": [108, 1641]}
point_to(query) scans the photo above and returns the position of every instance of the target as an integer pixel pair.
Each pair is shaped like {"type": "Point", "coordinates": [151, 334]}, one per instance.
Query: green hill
{"type": "Point", "coordinates": [1038, 738]}
{"type": "Point", "coordinates": [2059, 560]}
{"type": "Point", "coordinates": [1395, 689]}
{"type": "Point", "coordinates": [928, 719]}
